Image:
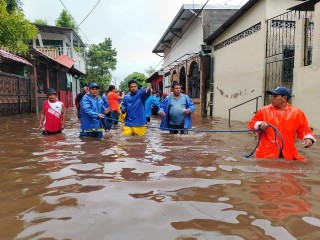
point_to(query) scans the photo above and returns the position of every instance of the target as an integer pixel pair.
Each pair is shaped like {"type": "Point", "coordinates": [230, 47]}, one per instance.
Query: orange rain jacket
{"type": "Point", "coordinates": [290, 122]}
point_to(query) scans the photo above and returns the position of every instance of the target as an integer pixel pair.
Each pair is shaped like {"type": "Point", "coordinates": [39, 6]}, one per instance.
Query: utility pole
{"type": "Point", "coordinates": [115, 81]}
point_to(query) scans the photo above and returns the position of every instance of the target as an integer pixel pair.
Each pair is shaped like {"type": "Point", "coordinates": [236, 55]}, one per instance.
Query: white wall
{"type": "Point", "coordinates": [239, 67]}
{"type": "Point", "coordinates": [277, 7]}
{"type": "Point", "coordinates": [306, 83]}
{"type": "Point", "coordinates": [189, 43]}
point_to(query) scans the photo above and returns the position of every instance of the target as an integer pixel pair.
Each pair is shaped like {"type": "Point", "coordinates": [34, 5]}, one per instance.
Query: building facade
{"type": "Point", "coordinates": [252, 53]}
{"type": "Point", "coordinates": [186, 58]}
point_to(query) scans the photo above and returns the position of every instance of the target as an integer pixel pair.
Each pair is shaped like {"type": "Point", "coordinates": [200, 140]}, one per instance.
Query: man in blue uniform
{"type": "Point", "coordinates": [92, 111]}
{"type": "Point", "coordinates": [176, 111]}
{"type": "Point", "coordinates": [133, 107]}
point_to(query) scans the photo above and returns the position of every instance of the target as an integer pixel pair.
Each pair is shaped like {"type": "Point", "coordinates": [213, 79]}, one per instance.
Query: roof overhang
{"type": "Point", "coordinates": [185, 14]}
{"type": "Point", "coordinates": [154, 76]}
{"type": "Point", "coordinates": [230, 21]}
{"type": "Point", "coordinates": [60, 30]}
{"type": "Point", "coordinates": [65, 61]}
{"type": "Point", "coordinates": [305, 6]}
{"type": "Point", "coordinates": [13, 57]}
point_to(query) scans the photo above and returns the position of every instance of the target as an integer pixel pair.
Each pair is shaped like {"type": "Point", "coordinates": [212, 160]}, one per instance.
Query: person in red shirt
{"type": "Point", "coordinates": [113, 101]}
{"type": "Point", "coordinates": [290, 121]}
{"type": "Point", "coordinates": [52, 118]}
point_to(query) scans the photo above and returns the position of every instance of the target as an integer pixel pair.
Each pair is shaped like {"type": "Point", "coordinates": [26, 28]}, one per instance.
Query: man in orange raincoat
{"type": "Point", "coordinates": [290, 121]}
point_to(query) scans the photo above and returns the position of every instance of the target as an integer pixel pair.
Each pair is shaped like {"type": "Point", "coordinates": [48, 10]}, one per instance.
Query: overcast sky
{"type": "Point", "coordinates": [135, 26]}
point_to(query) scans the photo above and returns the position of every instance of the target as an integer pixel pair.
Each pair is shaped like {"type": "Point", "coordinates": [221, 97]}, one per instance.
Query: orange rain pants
{"type": "Point", "coordinates": [290, 122]}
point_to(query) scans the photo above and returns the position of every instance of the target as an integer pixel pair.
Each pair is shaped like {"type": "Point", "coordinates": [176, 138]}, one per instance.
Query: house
{"type": "Point", "coordinates": [185, 57]}
{"type": "Point", "coordinates": [15, 96]}
{"type": "Point", "coordinates": [59, 62]}
{"type": "Point", "coordinates": [156, 81]}
{"type": "Point", "coordinates": [264, 45]}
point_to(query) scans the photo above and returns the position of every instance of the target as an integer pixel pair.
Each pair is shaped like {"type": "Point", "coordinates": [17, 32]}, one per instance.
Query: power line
{"type": "Point", "coordinates": [74, 21]}
{"type": "Point", "coordinates": [89, 13]}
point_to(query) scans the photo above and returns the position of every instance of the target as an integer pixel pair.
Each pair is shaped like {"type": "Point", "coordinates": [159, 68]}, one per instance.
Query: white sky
{"type": "Point", "coordinates": [135, 26]}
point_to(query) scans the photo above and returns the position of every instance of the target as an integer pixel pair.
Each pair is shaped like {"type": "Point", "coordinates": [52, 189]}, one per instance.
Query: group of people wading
{"type": "Point", "coordinates": [134, 109]}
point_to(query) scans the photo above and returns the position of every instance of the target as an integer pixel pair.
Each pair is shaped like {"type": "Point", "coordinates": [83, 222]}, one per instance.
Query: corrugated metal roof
{"type": "Point", "coordinates": [186, 12]}
{"type": "Point", "coordinates": [14, 57]}
{"type": "Point", "coordinates": [65, 61]}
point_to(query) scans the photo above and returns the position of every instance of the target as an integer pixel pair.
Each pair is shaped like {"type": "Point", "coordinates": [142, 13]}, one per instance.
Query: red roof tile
{"type": "Point", "coordinates": [13, 57]}
{"type": "Point", "coordinates": [65, 61]}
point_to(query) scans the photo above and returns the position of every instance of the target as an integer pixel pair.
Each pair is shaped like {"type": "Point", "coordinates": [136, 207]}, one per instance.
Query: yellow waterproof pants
{"type": "Point", "coordinates": [129, 131]}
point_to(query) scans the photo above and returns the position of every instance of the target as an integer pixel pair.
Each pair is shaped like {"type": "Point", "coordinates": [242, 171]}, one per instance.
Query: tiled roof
{"type": "Point", "coordinates": [14, 57]}
{"type": "Point", "coordinates": [65, 61]}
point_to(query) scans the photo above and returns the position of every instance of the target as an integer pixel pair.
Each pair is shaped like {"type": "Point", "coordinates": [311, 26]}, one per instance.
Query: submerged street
{"type": "Point", "coordinates": [161, 186]}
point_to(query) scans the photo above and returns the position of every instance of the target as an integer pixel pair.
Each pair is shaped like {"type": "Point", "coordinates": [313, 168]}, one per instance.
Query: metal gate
{"type": "Point", "coordinates": [15, 97]}
{"type": "Point", "coordinates": [280, 49]}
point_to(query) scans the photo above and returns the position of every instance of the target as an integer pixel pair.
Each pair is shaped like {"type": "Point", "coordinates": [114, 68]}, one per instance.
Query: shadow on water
{"type": "Point", "coordinates": [161, 186]}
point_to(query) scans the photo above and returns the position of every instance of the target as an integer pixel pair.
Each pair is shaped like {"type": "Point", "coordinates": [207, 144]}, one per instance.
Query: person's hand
{"type": "Point", "coordinates": [41, 126]}
{"type": "Point", "coordinates": [100, 116]}
{"type": "Point", "coordinates": [307, 142]}
{"type": "Point", "coordinates": [162, 114]}
{"type": "Point", "coordinates": [263, 126]}
{"type": "Point", "coordinates": [187, 111]}
{"type": "Point", "coordinates": [62, 126]}
{"type": "Point", "coordinates": [107, 110]}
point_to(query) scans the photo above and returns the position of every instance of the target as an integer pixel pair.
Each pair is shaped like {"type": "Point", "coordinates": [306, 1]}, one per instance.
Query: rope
{"type": "Point", "coordinates": [276, 132]}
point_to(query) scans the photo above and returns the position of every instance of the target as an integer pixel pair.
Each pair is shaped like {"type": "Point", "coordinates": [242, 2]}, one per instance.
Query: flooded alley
{"type": "Point", "coordinates": [158, 187]}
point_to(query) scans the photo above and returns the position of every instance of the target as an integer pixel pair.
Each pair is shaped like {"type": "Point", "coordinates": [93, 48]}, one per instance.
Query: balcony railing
{"type": "Point", "coordinates": [55, 51]}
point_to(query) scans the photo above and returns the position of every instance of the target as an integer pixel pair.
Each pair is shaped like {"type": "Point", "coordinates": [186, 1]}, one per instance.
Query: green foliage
{"type": "Point", "coordinates": [40, 22]}
{"type": "Point", "coordinates": [15, 30]}
{"type": "Point", "coordinates": [139, 77]}
{"type": "Point", "coordinates": [66, 20]}
{"type": "Point", "coordinates": [101, 60]}
{"type": "Point", "coordinates": [13, 5]}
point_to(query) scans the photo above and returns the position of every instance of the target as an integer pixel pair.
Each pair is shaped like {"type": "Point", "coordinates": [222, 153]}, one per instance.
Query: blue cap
{"type": "Point", "coordinates": [280, 91]}
{"type": "Point", "coordinates": [93, 85]}
{"type": "Point", "coordinates": [51, 91]}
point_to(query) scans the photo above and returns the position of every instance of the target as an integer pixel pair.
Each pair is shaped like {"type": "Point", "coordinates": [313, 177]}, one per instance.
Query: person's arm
{"type": "Point", "coordinates": [190, 106]}
{"type": "Point", "coordinates": [86, 107]}
{"type": "Point", "coordinates": [304, 132]}
{"type": "Point", "coordinates": [257, 122]}
{"type": "Point", "coordinates": [145, 93]}
{"type": "Point", "coordinates": [123, 106]}
{"type": "Point", "coordinates": [42, 118]}
{"type": "Point", "coordinates": [63, 116]}
{"type": "Point", "coordinates": [163, 106]}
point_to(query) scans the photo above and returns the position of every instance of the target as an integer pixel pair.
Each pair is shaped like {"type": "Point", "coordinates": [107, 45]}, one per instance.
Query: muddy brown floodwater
{"type": "Point", "coordinates": [157, 187]}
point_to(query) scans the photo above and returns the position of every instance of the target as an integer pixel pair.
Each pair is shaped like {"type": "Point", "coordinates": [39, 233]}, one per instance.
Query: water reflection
{"type": "Point", "coordinates": [280, 196]}
{"type": "Point", "coordinates": [159, 186]}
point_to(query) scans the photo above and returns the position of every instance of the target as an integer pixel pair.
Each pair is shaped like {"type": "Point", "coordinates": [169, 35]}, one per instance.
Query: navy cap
{"type": "Point", "coordinates": [93, 85]}
{"type": "Point", "coordinates": [280, 91]}
{"type": "Point", "coordinates": [51, 91]}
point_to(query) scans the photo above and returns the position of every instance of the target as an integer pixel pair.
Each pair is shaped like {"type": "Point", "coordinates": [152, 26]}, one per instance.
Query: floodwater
{"type": "Point", "coordinates": [158, 187]}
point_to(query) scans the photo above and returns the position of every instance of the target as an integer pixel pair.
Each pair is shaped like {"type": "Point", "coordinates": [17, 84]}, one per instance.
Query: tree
{"type": "Point", "coordinates": [101, 60]}
{"type": "Point", "coordinates": [40, 22]}
{"type": "Point", "coordinates": [66, 20]}
{"type": "Point", "coordinates": [13, 5]}
{"type": "Point", "coordinates": [15, 30]}
{"type": "Point", "coordinates": [139, 77]}
{"type": "Point", "coordinates": [150, 71]}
